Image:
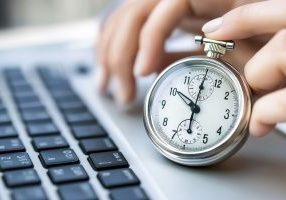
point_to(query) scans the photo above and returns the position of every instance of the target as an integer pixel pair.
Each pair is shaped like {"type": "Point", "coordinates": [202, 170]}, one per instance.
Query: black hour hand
{"type": "Point", "coordinates": [195, 108]}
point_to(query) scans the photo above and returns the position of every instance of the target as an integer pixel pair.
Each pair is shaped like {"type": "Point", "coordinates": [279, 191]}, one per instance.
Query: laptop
{"type": "Point", "coordinates": [61, 139]}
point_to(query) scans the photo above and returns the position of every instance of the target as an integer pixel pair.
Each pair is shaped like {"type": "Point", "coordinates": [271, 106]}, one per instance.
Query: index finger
{"type": "Point", "coordinates": [248, 20]}
{"type": "Point", "coordinates": [160, 24]}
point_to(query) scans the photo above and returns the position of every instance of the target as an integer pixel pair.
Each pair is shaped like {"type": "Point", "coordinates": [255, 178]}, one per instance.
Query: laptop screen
{"type": "Point", "coordinates": [18, 13]}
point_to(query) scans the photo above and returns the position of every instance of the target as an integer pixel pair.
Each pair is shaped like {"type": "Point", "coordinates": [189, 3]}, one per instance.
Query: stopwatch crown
{"type": "Point", "coordinates": [214, 48]}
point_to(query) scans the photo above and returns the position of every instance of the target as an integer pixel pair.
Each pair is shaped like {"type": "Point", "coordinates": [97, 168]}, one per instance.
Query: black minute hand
{"type": "Point", "coordinates": [201, 87]}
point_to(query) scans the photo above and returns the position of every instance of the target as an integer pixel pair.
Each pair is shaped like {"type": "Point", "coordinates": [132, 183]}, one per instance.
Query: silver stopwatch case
{"type": "Point", "coordinates": [226, 147]}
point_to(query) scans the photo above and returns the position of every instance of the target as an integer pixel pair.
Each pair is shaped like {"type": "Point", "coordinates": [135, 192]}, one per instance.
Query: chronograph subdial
{"type": "Point", "coordinates": [187, 136]}
{"type": "Point", "coordinates": [208, 87]}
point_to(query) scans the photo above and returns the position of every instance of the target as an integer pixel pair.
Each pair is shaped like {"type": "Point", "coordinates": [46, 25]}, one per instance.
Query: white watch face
{"type": "Point", "coordinates": [195, 108]}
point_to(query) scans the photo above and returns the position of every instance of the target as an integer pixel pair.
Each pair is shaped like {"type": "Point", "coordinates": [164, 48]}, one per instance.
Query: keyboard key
{"type": "Point", "coordinates": [15, 161]}
{"type": "Point", "coordinates": [21, 178]}
{"type": "Point", "coordinates": [2, 106]}
{"type": "Point", "coordinates": [42, 128]}
{"type": "Point", "coordinates": [20, 81]}
{"type": "Point", "coordinates": [13, 71]}
{"type": "Point", "coordinates": [31, 104]}
{"type": "Point", "coordinates": [107, 160]}
{"type": "Point", "coordinates": [118, 177]}
{"type": "Point", "coordinates": [11, 145]}
{"type": "Point", "coordinates": [7, 130]}
{"type": "Point", "coordinates": [71, 97]}
{"type": "Point", "coordinates": [87, 131]}
{"type": "Point", "coordinates": [23, 87]}
{"type": "Point", "coordinates": [67, 174]}
{"type": "Point", "coordinates": [25, 96]}
{"type": "Point", "coordinates": [79, 117]}
{"type": "Point", "coordinates": [58, 85]}
{"type": "Point", "coordinates": [14, 74]}
{"type": "Point", "coordinates": [49, 74]}
{"type": "Point", "coordinates": [26, 99]}
{"type": "Point", "coordinates": [55, 157]}
{"type": "Point", "coordinates": [28, 193]}
{"type": "Point", "coordinates": [17, 82]}
{"type": "Point", "coordinates": [4, 117]}
{"type": "Point", "coordinates": [97, 145]}
{"type": "Point", "coordinates": [133, 192]}
{"type": "Point", "coordinates": [59, 94]}
{"type": "Point", "coordinates": [26, 93]}
{"type": "Point", "coordinates": [77, 191]}
{"type": "Point", "coordinates": [75, 105]}
{"type": "Point", "coordinates": [49, 142]}
{"type": "Point", "coordinates": [29, 115]}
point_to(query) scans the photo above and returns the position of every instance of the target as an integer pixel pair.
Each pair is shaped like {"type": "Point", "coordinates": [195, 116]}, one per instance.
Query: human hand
{"type": "Point", "coordinates": [266, 70]}
{"type": "Point", "coordinates": [136, 33]}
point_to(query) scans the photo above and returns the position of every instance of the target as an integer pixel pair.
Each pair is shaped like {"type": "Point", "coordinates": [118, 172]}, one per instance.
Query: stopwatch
{"type": "Point", "coordinates": [198, 109]}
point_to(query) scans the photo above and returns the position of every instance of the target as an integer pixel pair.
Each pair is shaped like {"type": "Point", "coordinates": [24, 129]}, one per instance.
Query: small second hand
{"type": "Point", "coordinates": [201, 87]}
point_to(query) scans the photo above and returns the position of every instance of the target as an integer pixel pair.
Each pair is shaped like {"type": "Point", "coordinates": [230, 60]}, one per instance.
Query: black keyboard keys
{"type": "Point", "coordinates": [11, 145]}
{"type": "Point", "coordinates": [49, 142]}
{"type": "Point", "coordinates": [87, 131]}
{"type": "Point", "coordinates": [71, 105]}
{"type": "Point", "coordinates": [2, 106]}
{"type": "Point", "coordinates": [79, 117]}
{"type": "Point", "coordinates": [94, 141]}
{"type": "Point", "coordinates": [42, 128]}
{"type": "Point", "coordinates": [7, 130]}
{"type": "Point", "coordinates": [107, 160]}
{"type": "Point", "coordinates": [21, 178]}
{"type": "Point", "coordinates": [118, 177]}
{"type": "Point", "coordinates": [133, 192]}
{"type": "Point", "coordinates": [31, 104]}
{"type": "Point", "coordinates": [55, 157]}
{"type": "Point", "coordinates": [15, 161]}
{"type": "Point", "coordinates": [77, 191]}
{"type": "Point", "coordinates": [28, 193]}
{"type": "Point", "coordinates": [66, 96]}
{"type": "Point", "coordinates": [97, 145]}
{"type": "Point", "coordinates": [69, 173]}
{"type": "Point", "coordinates": [29, 115]}
{"type": "Point", "coordinates": [4, 117]}
{"type": "Point", "coordinates": [25, 93]}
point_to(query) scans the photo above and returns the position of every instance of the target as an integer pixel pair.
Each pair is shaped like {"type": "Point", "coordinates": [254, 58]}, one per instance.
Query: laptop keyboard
{"type": "Point", "coordinates": [56, 155]}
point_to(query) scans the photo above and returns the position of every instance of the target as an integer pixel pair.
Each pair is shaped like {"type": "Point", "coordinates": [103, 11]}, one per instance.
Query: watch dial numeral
{"type": "Point", "coordinates": [165, 121]}
{"type": "Point", "coordinates": [217, 83]}
{"type": "Point", "coordinates": [173, 91]}
{"type": "Point", "coordinates": [226, 116]}
{"type": "Point", "coordinates": [187, 80]}
{"type": "Point", "coordinates": [219, 130]}
{"type": "Point", "coordinates": [226, 95]}
{"type": "Point", "coordinates": [205, 138]}
{"type": "Point", "coordinates": [163, 104]}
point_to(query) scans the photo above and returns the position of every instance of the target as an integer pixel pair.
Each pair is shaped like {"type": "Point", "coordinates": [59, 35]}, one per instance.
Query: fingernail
{"type": "Point", "coordinates": [119, 92]}
{"type": "Point", "coordinates": [139, 63]}
{"type": "Point", "coordinates": [212, 25]}
{"type": "Point", "coordinates": [99, 79]}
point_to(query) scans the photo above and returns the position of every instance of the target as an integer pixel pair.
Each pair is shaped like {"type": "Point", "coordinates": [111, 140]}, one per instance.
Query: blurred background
{"type": "Point", "coordinates": [19, 13]}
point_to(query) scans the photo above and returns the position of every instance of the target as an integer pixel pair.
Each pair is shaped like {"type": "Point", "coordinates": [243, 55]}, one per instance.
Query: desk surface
{"type": "Point", "coordinates": [255, 172]}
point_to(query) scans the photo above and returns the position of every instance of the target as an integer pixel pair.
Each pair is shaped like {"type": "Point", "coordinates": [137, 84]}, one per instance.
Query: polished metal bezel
{"type": "Point", "coordinates": [225, 148]}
